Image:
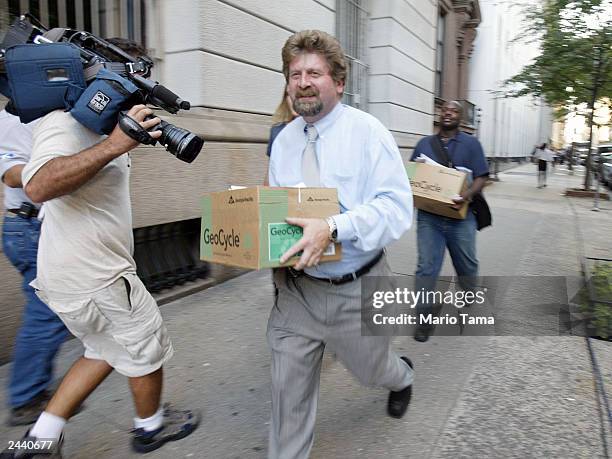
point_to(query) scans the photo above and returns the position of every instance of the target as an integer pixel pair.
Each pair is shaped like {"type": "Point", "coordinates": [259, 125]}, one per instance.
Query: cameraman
{"type": "Point", "coordinates": [87, 275]}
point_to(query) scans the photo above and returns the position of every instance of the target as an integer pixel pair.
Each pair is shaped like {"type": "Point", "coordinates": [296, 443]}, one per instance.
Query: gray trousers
{"type": "Point", "coordinates": [308, 316]}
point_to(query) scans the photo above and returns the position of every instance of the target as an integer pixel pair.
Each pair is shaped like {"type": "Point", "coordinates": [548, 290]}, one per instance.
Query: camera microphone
{"type": "Point", "coordinates": [160, 95]}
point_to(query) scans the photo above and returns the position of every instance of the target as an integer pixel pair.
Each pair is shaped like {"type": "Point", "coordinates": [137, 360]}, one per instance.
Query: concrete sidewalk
{"type": "Point", "coordinates": [473, 396]}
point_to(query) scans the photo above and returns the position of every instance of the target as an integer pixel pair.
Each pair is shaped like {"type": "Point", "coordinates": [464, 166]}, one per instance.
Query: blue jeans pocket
{"type": "Point", "coordinates": [14, 245]}
{"type": "Point", "coordinates": [20, 241]}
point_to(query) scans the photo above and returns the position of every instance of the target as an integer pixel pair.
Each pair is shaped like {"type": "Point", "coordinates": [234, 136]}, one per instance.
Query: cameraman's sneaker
{"type": "Point", "coordinates": [33, 448]}
{"type": "Point", "coordinates": [177, 424]}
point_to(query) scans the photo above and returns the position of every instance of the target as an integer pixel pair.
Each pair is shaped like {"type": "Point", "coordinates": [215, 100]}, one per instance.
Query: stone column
{"type": "Point", "coordinates": [467, 14]}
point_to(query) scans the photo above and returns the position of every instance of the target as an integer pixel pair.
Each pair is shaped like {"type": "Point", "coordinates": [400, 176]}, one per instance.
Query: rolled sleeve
{"type": "Point", "coordinates": [10, 160]}
{"type": "Point", "coordinates": [49, 141]}
{"type": "Point", "coordinates": [15, 142]}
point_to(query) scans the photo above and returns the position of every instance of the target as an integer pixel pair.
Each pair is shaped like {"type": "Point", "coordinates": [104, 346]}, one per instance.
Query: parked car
{"type": "Point", "coordinates": [606, 173]}
{"type": "Point", "coordinates": [606, 167]}
{"type": "Point", "coordinates": [605, 149]}
{"type": "Point", "coordinates": [602, 151]}
{"type": "Point", "coordinates": [602, 162]}
{"type": "Point", "coordinates": [581, 156]}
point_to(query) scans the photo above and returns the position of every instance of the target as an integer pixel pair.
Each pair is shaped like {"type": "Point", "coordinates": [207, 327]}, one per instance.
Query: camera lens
{"type": "Point", "coordinates": [183, 144]}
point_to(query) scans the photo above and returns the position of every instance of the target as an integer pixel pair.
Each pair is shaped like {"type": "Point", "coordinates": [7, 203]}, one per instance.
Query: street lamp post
{"type": "Point", "coordinates": [570, 166]}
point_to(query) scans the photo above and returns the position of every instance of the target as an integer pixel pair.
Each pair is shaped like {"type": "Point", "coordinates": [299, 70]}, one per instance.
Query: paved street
{"type": "Point", "coordinates": [473, 396]}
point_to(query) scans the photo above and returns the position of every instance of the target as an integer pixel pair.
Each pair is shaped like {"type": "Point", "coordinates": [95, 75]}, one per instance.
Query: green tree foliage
{"type": "Point", "coordinates": [575, 63]}
{"type": "Point", "coordinates": [595, 301]}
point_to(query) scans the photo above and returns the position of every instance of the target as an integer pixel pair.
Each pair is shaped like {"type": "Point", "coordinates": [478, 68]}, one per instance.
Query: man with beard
{"type": "Point", "coordinates": [435, 232]}
{"type": "Point", "coordinates": [336, 146]}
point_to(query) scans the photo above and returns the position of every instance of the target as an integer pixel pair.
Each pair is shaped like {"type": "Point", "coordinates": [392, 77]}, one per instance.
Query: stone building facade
{"type": "Point", "coordinates": [224, 57]}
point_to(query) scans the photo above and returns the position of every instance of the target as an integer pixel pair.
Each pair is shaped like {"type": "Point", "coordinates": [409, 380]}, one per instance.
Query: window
{"type": "Point", "coordinates": [440, 36]}
{"type": "Point", "coordinates": [351, 31]}
{"type": "Point", "coordinates": [105, 18]}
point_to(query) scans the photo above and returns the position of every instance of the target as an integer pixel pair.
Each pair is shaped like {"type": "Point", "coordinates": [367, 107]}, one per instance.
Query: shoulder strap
{"type": "Point", "coordinates": [436, 145]}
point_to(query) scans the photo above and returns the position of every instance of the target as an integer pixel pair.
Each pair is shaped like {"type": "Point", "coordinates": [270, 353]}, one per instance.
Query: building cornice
{"type": "Point", "coordinates": [470, 10]}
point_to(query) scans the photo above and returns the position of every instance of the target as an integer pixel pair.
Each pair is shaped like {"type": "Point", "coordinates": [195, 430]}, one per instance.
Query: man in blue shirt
{"type": "Point", "coordinates": [435, 232]}
{"type": "Point", "coordinates": [336, 146]}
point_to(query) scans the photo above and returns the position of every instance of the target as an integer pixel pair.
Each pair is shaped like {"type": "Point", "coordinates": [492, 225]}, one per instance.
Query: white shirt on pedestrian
{"type": "Point", "coordinates": [544, 154]}
{"type": "Point", "coordinates": [15, 149]}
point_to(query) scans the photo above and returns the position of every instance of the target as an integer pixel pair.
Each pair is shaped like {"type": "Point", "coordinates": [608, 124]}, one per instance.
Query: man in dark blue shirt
{"type": "Point", "coordinates": [435, 232]}
{"type": "Point", "coordinates": [464, 150]}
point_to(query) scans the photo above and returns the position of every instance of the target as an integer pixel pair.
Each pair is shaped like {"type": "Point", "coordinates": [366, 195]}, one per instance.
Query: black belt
{"type": "Point", "coordinates": [27, 210]}
{"type": "Point", "coordinates": [350, 277]}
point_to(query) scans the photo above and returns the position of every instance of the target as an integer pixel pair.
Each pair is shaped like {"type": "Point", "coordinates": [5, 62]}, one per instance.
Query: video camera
{"type": "Point", "coordinates": [42, 70]}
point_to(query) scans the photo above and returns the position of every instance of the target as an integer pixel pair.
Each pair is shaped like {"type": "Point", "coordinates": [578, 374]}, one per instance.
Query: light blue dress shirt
{"type": "Point", "coordinates": [358, 156]}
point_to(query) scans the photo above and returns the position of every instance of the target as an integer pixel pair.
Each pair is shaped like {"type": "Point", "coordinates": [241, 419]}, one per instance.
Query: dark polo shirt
{"type": "Point", "coordinates": [463, 150]}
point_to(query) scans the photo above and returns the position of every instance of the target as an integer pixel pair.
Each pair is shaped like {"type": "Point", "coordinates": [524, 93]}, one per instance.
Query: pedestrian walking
{"type": "Point", "coordinates": [543, 155]}
{"type": "Point", "coordinates": [318, 307]}
{"type": "Point", "coordinates": [41, 332]}
{"type": "Point", "coordinates": [436, 233]}
{"type": "Point", "coordinates": [87, 275]}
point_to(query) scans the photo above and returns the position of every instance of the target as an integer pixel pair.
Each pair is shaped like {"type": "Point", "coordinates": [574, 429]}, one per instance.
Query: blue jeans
{"type": "Point", "coordinates": [42, 332]}
{"type": "Point", "coordinates": [434, 235]}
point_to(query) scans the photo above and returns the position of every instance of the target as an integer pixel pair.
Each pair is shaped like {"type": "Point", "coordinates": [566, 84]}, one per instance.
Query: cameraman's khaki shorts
{"type": "Point", "coordinates": [120, 324]}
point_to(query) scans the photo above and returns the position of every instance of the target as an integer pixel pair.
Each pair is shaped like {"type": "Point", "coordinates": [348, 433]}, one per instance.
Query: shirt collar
{"type": "Point", "coordinates": [457, 137]}
{"type": "Point", "coordinates": [327, 120]}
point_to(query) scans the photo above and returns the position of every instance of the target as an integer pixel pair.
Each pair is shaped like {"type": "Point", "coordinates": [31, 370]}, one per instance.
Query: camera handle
{"type": "Point", "coordinates": [133, 129]}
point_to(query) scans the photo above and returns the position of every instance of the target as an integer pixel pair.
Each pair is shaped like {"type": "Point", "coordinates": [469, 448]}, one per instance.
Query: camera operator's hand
{"type": "Point", "coordinates": [121, 142]}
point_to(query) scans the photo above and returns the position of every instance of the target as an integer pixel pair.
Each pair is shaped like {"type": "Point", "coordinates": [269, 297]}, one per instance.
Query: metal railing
{"type": "Point", "coordinates": [105, 18]}
{"type": "Point", "coordinates": [167, 255]}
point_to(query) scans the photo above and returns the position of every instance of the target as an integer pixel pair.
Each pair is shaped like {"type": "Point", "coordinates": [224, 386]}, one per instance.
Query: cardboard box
{"type": "Point", "coordinates": [433, 187]}
{"type": "Point", "coordinates": [246, 227]}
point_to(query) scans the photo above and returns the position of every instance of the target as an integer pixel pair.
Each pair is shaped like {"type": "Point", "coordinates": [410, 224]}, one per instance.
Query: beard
{"type": "Point", "coordinates": [307, 108]}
